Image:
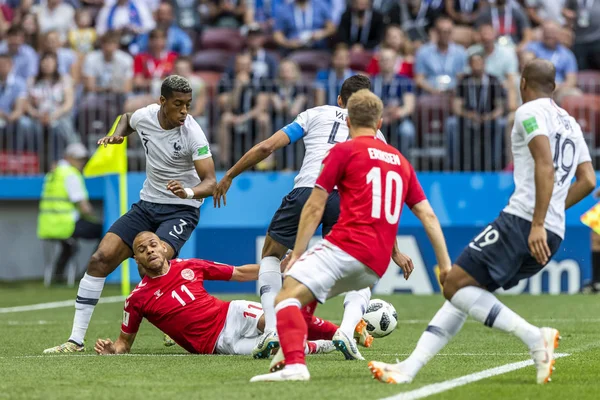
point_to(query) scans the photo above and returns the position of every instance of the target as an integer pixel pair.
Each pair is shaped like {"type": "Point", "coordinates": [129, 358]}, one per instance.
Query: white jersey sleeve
{"type": "Point", "coordinates": [137, 116]}
{"type": "Point", "coordinates": [198, 144]}
{"type": "Point", "coordinates": [584, 155]}
{"type": "Point", "coordinates": [530, 122]}
{"type": "Point", "coordinates": [298, 128]}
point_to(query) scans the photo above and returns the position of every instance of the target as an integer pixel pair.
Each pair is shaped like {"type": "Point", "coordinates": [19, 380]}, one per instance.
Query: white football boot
{"type": "Point", "coordinates": [297, 372]}
{"type": "Point", "coordinates": [544, 358]}
{"type": "Point", "coordinates": [389, 373]}
{"type": "Point", "coordinates": [346, 345]}
{"type": "Point", "coordinates": [265, 346]}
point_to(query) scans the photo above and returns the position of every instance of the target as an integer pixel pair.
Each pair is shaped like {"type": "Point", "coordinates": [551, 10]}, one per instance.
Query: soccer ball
{"type": "Point", "coordinates": [381, 318]}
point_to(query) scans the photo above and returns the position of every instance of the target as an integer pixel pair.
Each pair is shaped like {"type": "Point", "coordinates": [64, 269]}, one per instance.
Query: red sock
{"type": "Point", "coordinates": [311, 347]}
{"type": "Point", "coordinates": [292, 331]}
{"type": "Point", "coordinates": [320, 329]}
{"type": "Point", "coordinates": [309, 310]}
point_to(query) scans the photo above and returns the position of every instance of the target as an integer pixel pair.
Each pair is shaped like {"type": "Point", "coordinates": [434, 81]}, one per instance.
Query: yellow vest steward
{"type": "Point", "coordinates": [56, 219]}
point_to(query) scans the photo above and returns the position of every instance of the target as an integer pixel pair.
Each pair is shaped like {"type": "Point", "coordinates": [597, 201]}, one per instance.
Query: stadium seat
{"type": "Point", "coordinates": [222, 38]}
{"type": "Point", "coordinates": [359, 60]}
{"type": "Point", "coordinates": [19, 163]}
{"type": "Point", "coordinates": [586, 111]}
{"type": "Point", "coordinates": [311, 60]}
{"type": "Point", "coordinates": [212, 60]}
{"type": "Point", "coordinates": [589, 81]}
{"type": "Point", "coordinates": [430, 118]}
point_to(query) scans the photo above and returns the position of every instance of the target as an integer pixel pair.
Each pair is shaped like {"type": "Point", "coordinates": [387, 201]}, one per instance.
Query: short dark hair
{"type": "Point", "coordinates": [110, 37]}
{"type": "Point", "coordinates": [174, 84]}
{"type": "Point", "coordinates": [15, 30]}
{"type": "Point", "coordinates": [183, 59]}
{"type": "Point", "coordinates": [157, 32]}
{"type": "Point", "coordinates": [353, 85]}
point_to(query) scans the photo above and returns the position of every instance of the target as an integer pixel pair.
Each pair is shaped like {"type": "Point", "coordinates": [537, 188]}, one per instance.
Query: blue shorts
{"type": "Point", "coordinates": [499, 256]}
{"type": "Point", "coordinates": [172, 223]}
{"type": "Point", "coordinates": [284, 225]}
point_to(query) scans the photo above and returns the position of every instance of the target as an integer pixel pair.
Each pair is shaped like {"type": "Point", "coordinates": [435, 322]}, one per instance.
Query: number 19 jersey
{"type": "Point", "coordinates": [374, 180]}
{"type": "Point", "coordinates": [544, 117]}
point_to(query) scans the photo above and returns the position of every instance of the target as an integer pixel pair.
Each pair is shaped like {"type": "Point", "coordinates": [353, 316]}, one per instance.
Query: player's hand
{"type": "Point", "coordinates": [221, 191]}
{"type": "Point", "coordinates": [538, 244]}
{"type": "Point", "coordinates": [106, 140]}
{"type": "Point", "coordinates": [404, 262]}
{"type": "Point", "coordinates": [177, 189]}
{"type": "Point", "coordinates": [104, 346]}
{"type": "Point", "coordinates": [444, 271]}
{"type": "Point", "coordinates": [293, 257]}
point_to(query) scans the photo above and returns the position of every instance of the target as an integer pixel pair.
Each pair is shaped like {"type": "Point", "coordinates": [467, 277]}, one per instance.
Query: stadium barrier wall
{"type": "Point", "coordinates": [464, 202]}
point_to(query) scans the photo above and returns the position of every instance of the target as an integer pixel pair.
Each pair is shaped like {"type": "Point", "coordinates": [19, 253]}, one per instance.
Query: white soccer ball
{"type": "Point", "coordinates": [381, 318]}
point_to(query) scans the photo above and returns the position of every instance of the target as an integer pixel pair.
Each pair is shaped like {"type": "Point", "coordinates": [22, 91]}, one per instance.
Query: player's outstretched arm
{"type": "Point", "coordinates": [539, 147]}
{"type": "Point", "coordinates": [245, 273]}
{"type": "Point", "coordinates": [255, 155]}
{"type": "Point", "coordinates": [122, 130]}
{"type": "Point", "coordinates": [426, 215]}
{"type": "Point", "coordinates": [121, 346]}
{"type": "Point", "coordinates": [585, 182]}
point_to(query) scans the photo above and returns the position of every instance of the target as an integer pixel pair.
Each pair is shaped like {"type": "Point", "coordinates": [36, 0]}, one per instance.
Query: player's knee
{"type": "Point", "coordinates": [451, 286]}
{"type": "Point", "coordinates": [100, 265]}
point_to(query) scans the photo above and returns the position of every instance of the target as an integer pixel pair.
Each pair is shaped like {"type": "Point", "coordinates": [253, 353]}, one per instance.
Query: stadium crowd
{"type": "Point", "coordinates": [447, 71]}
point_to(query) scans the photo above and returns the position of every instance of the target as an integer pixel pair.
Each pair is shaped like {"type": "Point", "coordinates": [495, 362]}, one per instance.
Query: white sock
{"type": "Point", "coordinates": [269, 282]}
{"type": "Point", "coordinates": [355, 306]}
{"type": "Point", "coordinates": [88, 294]}
{"type": "Point", "coordinates": [487, 309]}
{"type": "Point", "coordinates": [446, 323]}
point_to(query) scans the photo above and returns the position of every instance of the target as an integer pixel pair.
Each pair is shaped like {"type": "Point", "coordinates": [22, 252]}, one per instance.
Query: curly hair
{"type": "Point", "coordinates": [174, 83]}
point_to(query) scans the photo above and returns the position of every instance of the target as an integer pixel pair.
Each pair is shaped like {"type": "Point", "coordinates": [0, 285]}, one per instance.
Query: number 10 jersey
{"type": "Point", "coordinates": [544, 117]}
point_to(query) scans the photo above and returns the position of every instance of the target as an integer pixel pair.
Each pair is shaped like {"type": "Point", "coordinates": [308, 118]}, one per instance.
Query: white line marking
{"type": "Point", "coordinates": [463, 354]}
{"type": "Point", "coordinates": [53, 322]}
{"type": "Point", "coordinates": [55, 304]}
{"type": "Point", "coordinates": [67, 356]}
{"type": "Point", "coordinates": [436, 388]}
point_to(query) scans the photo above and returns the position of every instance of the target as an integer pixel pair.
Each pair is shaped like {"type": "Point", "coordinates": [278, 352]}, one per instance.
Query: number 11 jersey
{"type": "Point", "coordinates": [544, 117]}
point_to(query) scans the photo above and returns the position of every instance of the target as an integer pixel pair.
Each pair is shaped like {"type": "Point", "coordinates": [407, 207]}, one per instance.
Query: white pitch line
{"type": "Point", "coordinates": [67, 356]}
{"type": "Point", "coordinates": [462, 354]}
{"type": "Point", "coordinates": [55, 304]}
{"type": "Point", "coordinates": [436, 388]}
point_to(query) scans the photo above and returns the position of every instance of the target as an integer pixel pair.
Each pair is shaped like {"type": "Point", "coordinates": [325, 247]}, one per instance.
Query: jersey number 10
{"type": "Point", "coordinates": [393, 182]}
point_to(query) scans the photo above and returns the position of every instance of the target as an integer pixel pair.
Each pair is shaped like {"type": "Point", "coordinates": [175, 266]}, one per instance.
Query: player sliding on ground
{"type": "Point", "coordinates": [320, 128]}
{"type": "Point", "coordinates": [175, 148]}
{"type": "Point", "coordinates": [172, 297]}
{"type": "Point", "coordinates": [548, 151]}
{"type": "Point", "coordinates": [374, 181]}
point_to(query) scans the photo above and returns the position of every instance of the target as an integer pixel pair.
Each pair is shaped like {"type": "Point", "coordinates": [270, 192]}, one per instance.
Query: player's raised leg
{"type": "Point", "coordinates": [356, 303]}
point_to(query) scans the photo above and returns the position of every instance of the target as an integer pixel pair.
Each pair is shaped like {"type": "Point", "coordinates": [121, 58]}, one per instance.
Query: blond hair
{"type": "Point", "coordinates": [364, 109]}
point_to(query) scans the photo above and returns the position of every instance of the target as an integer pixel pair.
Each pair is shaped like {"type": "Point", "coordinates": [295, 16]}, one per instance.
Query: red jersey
{"type": "Point", "coordinates": [177, 304]}
{"type": "Point", "coordinates": [154, 68]}
{"type": "Point", "coordinates": [374, 180]}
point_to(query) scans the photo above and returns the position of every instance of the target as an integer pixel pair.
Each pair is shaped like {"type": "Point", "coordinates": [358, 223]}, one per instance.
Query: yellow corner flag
{"type": "Point", "coordinates": [592, 218]}
{"type": "Point", "coordinates": [109, 160]}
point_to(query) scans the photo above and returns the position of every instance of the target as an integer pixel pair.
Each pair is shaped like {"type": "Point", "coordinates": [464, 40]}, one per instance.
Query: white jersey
{"type": "Point", "coordinates": [320, 128]}
{"type": "Point", "coordinates": [544, 117]}
{"type": "Point", "coordinates": [170, 155]}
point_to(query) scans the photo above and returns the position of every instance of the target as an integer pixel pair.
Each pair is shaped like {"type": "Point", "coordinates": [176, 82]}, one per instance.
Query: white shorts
{"type": "Point", "coordinates": [240, 333]}
{"type": "Point", "coordinates": [327, 271]}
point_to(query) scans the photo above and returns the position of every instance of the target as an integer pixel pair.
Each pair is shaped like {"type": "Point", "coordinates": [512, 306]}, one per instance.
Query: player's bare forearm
{"type": "Point", "coordinates": [245, 273]}
{"type": "Point", "coordinates": [258, 153]}
{"type": "Point", "coordinates": [312, 212]}
{"type": "Point", "coordinates": [121, 346]}
{"type": "Point", "coordinates": [205, 169]}
{"type": "Point", "coordinates": [124, 128]}
{"type": "Point", "coordinates": [544, 177]}
{"type": "Point", "coordinates": [432, 227]}
{"type": "Point", "coordinates": [585, 182]}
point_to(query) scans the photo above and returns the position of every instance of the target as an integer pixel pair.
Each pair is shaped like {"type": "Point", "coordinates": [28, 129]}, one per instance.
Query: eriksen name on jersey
{"type": "Point", "coordinates": [390, 158]}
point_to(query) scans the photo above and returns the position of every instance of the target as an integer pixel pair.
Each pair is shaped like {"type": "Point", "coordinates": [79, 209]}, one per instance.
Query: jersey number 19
{"type": "Point", "coordinates": [393, 183]}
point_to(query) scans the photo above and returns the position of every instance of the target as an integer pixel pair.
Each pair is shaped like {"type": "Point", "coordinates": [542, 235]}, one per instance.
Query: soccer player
{"type": "Point", "coordinates": [374, 181]}
{"type": "Point", "coordinates": [548, 150]}
{"type": "Point", "coordinates": [176, 148]}
{"type": "Point", "coordinates": [172, 297]}
{"type": "Point", "coordinates": [320, 128]}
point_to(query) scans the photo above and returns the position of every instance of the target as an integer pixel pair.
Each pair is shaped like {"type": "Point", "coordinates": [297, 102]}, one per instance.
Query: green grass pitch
{"type": "Point", "coordinates": [156, 372]}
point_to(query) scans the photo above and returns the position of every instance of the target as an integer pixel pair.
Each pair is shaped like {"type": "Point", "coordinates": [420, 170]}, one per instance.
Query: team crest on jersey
{"type": "Point", "coordinates": [187, 274]}
{"type": "Point", "coordinates": [177, 150]}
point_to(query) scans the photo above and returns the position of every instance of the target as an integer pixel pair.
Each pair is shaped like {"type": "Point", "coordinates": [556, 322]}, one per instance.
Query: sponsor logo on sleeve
{"type": "Point", "coordinates": [202, 151]}
{"type": "Point", "coordinates": [530, 125]}
{"type": "Point", "coordinates": [125, 318]}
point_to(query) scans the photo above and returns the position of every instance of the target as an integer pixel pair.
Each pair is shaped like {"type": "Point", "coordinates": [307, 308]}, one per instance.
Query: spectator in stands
{"type": "Point", "coordinates": [177, 40]}
{"type": "Point", "coordinates": [244, 106]}
{"type": "Point", "coordinates": [149, 68]}
{"type": "Point", "coordinates": [396, 40]}
{"type": "Point", "coordinates": [108, 70]}
{"type": "Point", "coordinates": [500, 61]}
{"type": "Point", "coordinates": [303, 23]}
{"type": "Point", "coordinates": [13, 101]}
{"type": "Point", "coordinates": [510, 21]}
{"type": "Point", "coordinates": [67, 58]}
{"type": "Point", "coordinates": [397, 93]}
{"type": "Point", "coordinates": [361, 28]}
{"type": "Point", "coordinates": [463, 13]}
{"type": "Point", "coordinates": [31, 30]}
{"type": "Point", "coordinates": [478, 129]}
{"type": "Point", "coordinates": [55, 15]}
{"type": "Point", "coordinates": [264, 65]}
{"type": "Point", "coordinates": [438, 65]}
{"type": "Point", "coordinates": [183, 67]}
{"type": "Point", "coordinates": [562, 58]}
{"type": "Point", "coordinates": [25, 59]}
{"type": "Point", "coordinates": [229, 13]}
{"type": "Point", "coordinates": [128, 17]}
{"type": "Point", "coordinates": [384, 6]}
{"type": "Point", "coordinates": [187, 14]}
{"type": "Point", "coordinates": [289, 95]}
{"type": "Point", "coordinates": [329, 81]}
{"type": "Point", "coordinates": [83, 36]}
{"type": "Point", "coordinates": [539, 11]}
{"type": "Point", "coordinates": [585, 17]}
{"type": "Point", "coordinates": [416, 17]}
{"type": "Point", "coordinates": [50, 105]}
